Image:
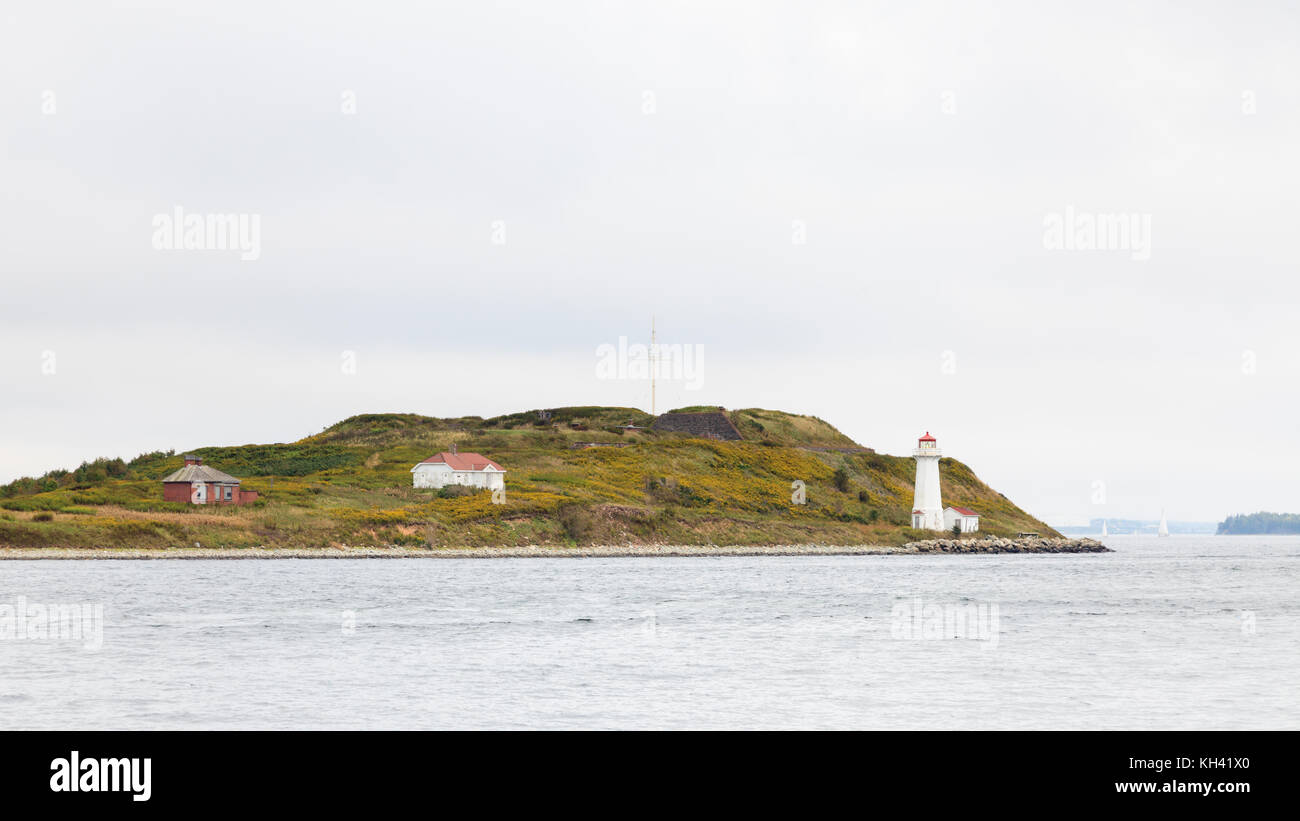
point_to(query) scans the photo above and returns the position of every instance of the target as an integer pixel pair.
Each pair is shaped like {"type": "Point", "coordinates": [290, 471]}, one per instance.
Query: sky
{"type": "Point", "coordinates": [880, 214]}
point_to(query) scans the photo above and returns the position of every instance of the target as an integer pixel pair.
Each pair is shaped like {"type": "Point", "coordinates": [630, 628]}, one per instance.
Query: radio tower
{"type": "Point", "coordinates": [654, 364]}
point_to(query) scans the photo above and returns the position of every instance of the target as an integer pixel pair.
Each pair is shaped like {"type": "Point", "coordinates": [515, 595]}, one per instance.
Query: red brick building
{"type": "Point", "coordinates": [199, 484]}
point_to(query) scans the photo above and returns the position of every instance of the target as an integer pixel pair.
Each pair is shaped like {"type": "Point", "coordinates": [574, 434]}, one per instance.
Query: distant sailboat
{"type": "Point", "coordinates": [1103, 527]}
{"type": "Point", "coordinates": [1164, 525]}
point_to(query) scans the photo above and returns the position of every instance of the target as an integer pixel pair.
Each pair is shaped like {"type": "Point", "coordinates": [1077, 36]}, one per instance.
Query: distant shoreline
{"type": "Point", "coordinates": [538, 552]}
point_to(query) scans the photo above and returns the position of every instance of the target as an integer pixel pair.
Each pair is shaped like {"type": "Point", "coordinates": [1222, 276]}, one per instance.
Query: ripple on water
{"type": "Point", "coordinates": [1148, 637]}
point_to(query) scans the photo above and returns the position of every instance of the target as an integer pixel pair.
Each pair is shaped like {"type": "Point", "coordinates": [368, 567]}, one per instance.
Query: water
{"type": "Point", "coordinates": [1184, 632]}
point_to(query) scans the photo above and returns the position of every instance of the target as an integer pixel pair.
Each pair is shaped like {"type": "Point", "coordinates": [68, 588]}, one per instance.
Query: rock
{"type": "Point", "coordinates": [994, 544]}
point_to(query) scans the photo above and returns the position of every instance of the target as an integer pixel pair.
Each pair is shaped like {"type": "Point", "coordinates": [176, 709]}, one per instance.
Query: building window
{"type": "Point", "coordinates": [227, 493]}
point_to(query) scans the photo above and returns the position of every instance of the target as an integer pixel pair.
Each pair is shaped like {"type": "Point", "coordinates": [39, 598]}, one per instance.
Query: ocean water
{"type": "Point", "coordinates": [1183, 632]}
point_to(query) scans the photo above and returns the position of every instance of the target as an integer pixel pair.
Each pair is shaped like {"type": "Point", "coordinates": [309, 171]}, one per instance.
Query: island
{"type": "Point", "coordinates": [548, 482]}
{"type": "Point", "coordinates": [1259, 523]}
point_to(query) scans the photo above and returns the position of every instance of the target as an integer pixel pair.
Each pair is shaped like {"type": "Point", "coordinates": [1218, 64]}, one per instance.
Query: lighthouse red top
{"type": "Point", "coordinates": [926, 446]}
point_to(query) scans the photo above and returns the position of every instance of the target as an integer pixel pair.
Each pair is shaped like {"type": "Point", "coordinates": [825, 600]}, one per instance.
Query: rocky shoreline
{"type": "Point", "coordinates": [994, 544]}
{"type": "Point", "coordinates": [984, 545]}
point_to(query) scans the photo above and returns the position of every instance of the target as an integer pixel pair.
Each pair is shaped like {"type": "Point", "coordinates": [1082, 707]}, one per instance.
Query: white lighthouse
{"type": "Point", "coordinates": [927, 507]}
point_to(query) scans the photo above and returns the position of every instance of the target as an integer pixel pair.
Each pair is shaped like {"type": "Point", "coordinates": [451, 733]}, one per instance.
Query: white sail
{"type": "Point", "coordinates": [1103, 527]}
{"type": "Point", "coordinates": [1164, 525]}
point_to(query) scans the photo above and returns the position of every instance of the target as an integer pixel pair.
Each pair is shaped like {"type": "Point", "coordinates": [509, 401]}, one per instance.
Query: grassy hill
{"type": "Point", "coordinates": [351, 484]}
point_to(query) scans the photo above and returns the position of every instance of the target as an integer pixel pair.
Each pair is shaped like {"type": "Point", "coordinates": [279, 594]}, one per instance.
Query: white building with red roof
{"type": "Point", "coordinates": [453, 468]}
{"type": "Point", "coordinates": [964, 516]}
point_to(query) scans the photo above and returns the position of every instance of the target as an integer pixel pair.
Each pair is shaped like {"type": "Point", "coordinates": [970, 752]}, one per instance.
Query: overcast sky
{"type": "Point", "coordinates": [847, 205]}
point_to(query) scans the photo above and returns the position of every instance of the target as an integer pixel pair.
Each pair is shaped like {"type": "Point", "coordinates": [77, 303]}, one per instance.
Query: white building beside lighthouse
{"type": "Point", "coordinates": [927, 506]}
{"type": "Point", "coordinates": [966, 520]}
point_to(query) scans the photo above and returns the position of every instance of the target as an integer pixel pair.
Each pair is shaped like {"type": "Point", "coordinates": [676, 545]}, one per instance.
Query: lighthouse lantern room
{"type": "Point", "coordinates": [927, 506]}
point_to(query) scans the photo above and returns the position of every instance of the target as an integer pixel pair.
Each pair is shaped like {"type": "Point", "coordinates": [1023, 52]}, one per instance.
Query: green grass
{"type": "Point", "coordinates": [351, 484]}
{"type": "Point", "coordinates": [776, 427]}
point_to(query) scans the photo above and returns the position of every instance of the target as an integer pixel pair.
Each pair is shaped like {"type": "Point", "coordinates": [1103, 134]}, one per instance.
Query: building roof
{"type": "Point", "coordinates": [200, 473]}
{"type": "Point", "coordinates": [461, 461]}
{"type": "Point", "coordinates": [927, 437]}
{"type": "Point", "coordinates": [965, 511]}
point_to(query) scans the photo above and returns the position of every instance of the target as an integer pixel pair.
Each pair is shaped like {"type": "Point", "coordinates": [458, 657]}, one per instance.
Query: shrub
{"type": "Point", "coordinates": [21, 534]}
{"type": "Point", "coordinates": [578, 522]}
{"type": "Point", "coordinates": [37, 503]}
{"type": "Point", "coordinates": [873, 515]}
{"type": "Point", "coordinates": [670, 491]}
{"type": "Point", "coordinates": [43, 517]}
{"type": "Point", "coordinates": [137, 532]}
{"type": "Point", "coordinates": [281, 460]}
{"type": "Point", "coordinates": [841, 480]}
{"type": "Point", "coordinates": [863, 496]}
{"type": "Point", "coordinates": [456, 491]}
{"type": "Point", "coordinates": [407, 540]}
{"type": "Point", "coordinates": [157, 505]}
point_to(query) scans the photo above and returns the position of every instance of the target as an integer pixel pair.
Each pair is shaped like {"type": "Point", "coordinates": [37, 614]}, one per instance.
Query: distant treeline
{"type": "Point", "coordinates": [1261, 523]}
